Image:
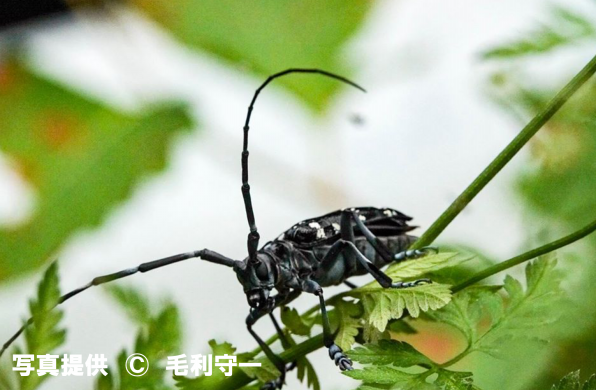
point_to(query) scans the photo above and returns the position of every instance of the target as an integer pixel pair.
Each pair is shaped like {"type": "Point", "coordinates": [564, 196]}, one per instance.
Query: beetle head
{"type": "Point", "coordinates": [257, 279]}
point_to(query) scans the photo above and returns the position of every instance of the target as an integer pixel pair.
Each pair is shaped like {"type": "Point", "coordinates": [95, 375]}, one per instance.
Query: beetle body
{"type": "Point", "coordinates": [299, 253]}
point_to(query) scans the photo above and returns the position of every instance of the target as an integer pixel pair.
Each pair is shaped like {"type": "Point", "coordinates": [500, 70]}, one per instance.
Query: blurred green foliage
{"type": "Point", "coordinates": [80, 157]}
{"type": "Point", "coordinates": [159, 336]}
{"type": "Point", "coordinates": [269, 36]}
{"type": "Point", "coordinates": [566, 27]}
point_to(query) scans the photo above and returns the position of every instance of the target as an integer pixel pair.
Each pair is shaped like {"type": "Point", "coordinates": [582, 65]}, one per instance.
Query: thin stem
{"type": "Point", "coordinates": [505, 156]}
{"type": "Point", "coordinates": [490, 271]}
{"type": "Point", "coordinates": [240, 379]}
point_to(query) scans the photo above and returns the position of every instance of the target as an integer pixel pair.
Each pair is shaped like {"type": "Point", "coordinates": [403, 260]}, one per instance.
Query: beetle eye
{"type": "Point", "coordinates": [262, 272]}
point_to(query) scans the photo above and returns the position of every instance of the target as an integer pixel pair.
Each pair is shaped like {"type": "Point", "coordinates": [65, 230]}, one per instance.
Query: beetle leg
{"type": "Point", "coordinates": [285, 342]}
{"type": "Point", "coordinates": [276, 360]}
{"type": "Point", "coordinates": [415, 253]}
{"type": "Point", "coordinates": [335, 352]}
{"type": "Point", "coordinates": [381, 277]}
{"type": "Point", "coordinates": [382, 249]}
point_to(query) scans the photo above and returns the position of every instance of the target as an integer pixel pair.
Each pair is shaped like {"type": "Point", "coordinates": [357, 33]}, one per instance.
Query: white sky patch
{"type": "Point", "coordinates": [17, 197]}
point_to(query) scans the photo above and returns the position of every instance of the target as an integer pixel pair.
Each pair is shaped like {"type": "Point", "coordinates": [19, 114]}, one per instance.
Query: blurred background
{"type": "Point", "coordinates": [120, 139]}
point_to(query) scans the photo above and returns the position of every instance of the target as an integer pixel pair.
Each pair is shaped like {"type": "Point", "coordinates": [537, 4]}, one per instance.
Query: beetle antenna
{"type": "Point", "coordinates": [253, 236]}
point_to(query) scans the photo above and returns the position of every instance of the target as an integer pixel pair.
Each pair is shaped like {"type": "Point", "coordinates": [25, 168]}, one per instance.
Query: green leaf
{"type": "Point", "coordinates": [452, 380]}
{"type": "Point", "coordinates": [81, 158]}
{"type": "Point", "coordinates": [43, 336]}
{"type": "Point", "coordinates": [312, 379]}
{"type": "Point", "coordinates": [566, 28]}
{"type": "Point", "coordinates": [467, 308]}
{"type": "Point", "coordinates": [294, 322]}
{"type": "Point", "coordinates": [416, 268]}
{"type": "Point", "coordinates": [521, 314]}
{"type": "Point", "coordinates": [397, 353]}
{"type": "Point", "coordinates": [382, 305]}
{"type": "Point", "coordinates": [347, 316]}
{"type": "Point", "coordinates": [269, 36]}
{"type": "Point", "coordinates": [267, 372]}
{"type": "Point", "coordinates": [135, 304]}
{"type": "Point", "coordinates": [385, 375]}
{"type": "Point", "coordinates": [572, 382]}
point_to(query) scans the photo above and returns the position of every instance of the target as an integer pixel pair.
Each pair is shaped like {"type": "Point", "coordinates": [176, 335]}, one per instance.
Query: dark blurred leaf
{"type": "Point", "coordinates": [82, 158]}
{"type": "Point", "coordinates": [566, 28]}
{"type": "Point", "coordinates": [269, 36]}
{"type": "Point", "coordinates": [573, 382]}
{"type": "Point", "coordinates": [18, 11]}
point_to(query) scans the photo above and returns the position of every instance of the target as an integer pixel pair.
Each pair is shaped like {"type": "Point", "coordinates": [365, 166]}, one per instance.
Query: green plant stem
{"type": "Point", "coordinates": [240, 379]}
{"type": "Point", "coordinates": [505, 156]}
{"type": "Point", "coordinates": [490, 271]}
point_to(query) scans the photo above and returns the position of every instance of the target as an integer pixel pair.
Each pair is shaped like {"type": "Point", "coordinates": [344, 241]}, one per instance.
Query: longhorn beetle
{"type": "Point", "coordinates": [312, 254]}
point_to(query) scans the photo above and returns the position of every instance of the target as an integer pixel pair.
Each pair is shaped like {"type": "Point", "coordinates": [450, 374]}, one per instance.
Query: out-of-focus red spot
{"type": "Point", "coordinates": [437, 341]}
{"type": "Point", "coordinates": [58, 129]}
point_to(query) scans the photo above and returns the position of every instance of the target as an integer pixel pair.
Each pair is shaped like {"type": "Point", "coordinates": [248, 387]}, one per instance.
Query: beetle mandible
{"type": "Point", "coordinates": [315, 253]}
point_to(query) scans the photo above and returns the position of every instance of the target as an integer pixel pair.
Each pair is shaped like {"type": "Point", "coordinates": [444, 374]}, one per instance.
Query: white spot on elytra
{"type": "Point", "coordinates": [388, 213]}
{"type": "Point", "coordinates": [362, 217]}
{"type": "Point", "coordinates": [335, 226]}
{"type": "Point", "coordinates": [314, 225]}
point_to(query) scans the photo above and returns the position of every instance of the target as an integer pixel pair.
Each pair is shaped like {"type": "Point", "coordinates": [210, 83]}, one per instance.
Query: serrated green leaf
{"type": "Point", "coordinates": [381, 305]}
{"type": "Point", "coordinates": [294, 322]}
{"type": "Point", "coordinates": [269, 36]}
{"type": "Point", "coordinates": [416, 268]}
{"type": "Point", "coordinates": [466, 309]}
{"type": "Point", "coordinates": [572, 382]}
{"type": "Point", "coordinates": [43, 335]}
{"type": "Point", "coordinates": [566, 28]}
{"type": "Point", "coordinates": [397, 379]}
{"type": "Point", "coordinates": [77, 155]}
{"type": "Point", "coordinates": [397, 353]}
{"type": "Point", "coordinates": [452, 380]}
{"type": "Point", "coordinates": [521, 314]}
{"type": "Point", "coordinates": [346, 315]}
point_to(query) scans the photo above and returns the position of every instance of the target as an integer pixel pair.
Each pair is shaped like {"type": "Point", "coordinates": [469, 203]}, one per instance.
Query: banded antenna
{"type": "Point", "coordinates": [253, 235]}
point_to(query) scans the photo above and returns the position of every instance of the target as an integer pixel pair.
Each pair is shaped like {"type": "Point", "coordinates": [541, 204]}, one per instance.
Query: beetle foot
{"type": "Point", "coordinates": [341, 360]}
{"type": "Point", "coordinates": [272, 385]}
{"type": "Point", "coordinates": [413, 283]}
{"type": "Point", "coordinates": [415, 253]}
